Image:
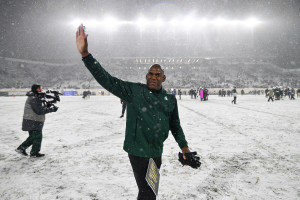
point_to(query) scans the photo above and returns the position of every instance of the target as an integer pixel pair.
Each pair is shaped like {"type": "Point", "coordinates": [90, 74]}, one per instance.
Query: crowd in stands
{"type": "Point", "coordinates": [180, 72]}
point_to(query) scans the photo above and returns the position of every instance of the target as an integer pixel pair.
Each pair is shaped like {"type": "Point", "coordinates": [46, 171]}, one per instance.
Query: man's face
{"type": "Point", "coordinates": [39, 89]}
{"type": "Point", "coordinates": [155, 77]}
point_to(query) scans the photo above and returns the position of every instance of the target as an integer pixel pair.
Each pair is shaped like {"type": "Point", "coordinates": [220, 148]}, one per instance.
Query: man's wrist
{"type": "Point", "coordinates": [85, 54]}
{"type": "Point", "coordinates": [185, 149]}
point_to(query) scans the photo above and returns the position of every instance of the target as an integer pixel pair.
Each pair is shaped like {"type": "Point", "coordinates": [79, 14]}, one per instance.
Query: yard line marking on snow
{"type": "Point", "coordinates": [254, 110]}
{"type": "Point", "coordinates": [211, 119]}
{"type": "Point", "coordinates": [270, 150]}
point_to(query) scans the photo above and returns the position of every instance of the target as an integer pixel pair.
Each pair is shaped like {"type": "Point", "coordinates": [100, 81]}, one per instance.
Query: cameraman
{"type": "Point", "coordinates": [33, 121]}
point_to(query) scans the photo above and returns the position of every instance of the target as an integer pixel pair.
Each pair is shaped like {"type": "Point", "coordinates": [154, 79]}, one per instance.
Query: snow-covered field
{"type": "Point", "coordinates": [248, 151]}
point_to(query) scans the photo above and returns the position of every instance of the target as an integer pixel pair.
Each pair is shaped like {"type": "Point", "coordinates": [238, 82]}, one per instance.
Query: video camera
{"type": "Point", "coordinates": [49, 100]}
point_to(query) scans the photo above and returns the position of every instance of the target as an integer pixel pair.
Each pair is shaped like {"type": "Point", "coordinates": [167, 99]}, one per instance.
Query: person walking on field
{"type": "Point", "coordinates": [201, 94]}
{"type": "Point", "coordinates": [179, 93]}
{"type": "Point", "coordinates": [234, 93]}
{"type": "Point", "coordinates": [151, 113]}
{"type": "Point", "coordinates": [292, 94]}
{"type": "Point", "coordinates": [33, 122]}
{"type": "Point", "coordinates": [271, 95]}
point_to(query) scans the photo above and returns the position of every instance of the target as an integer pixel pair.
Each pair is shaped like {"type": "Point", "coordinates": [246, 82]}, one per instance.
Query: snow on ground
{"type": "Point", "coordinates": [248, 151]}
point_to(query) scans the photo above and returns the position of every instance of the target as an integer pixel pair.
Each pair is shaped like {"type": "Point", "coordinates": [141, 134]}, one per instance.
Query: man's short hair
{"type": "Point", "coordinates": [34, 87]}
{"type": "Point", "coordinates": [157, 66]}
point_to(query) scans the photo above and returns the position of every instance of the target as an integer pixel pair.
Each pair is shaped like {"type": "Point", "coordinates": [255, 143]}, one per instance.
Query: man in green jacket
{"type": "Point", "coordinates": [151, 113]}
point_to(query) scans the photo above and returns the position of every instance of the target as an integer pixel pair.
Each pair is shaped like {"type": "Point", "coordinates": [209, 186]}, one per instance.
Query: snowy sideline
{"type": "Point", "coordinates": [248, 151]}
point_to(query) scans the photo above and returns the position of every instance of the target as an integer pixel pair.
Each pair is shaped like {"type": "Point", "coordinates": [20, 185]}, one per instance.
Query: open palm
{"type": "Point", "coordinates": [81, 41]}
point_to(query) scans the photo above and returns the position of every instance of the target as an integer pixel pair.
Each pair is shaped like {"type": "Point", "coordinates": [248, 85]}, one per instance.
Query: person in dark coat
{"type": "Point", "coordinates": [292, 94]}
{"type": "Point", "coordinates": [179, 93]}
{"type": "Point", "coordinates": [33, 122]}
{"type": "Point", "coordinates": [223, 93]}
{"type": "Point", "coordinates": [151, 113]}
{"type": "Point", "coordinates": [84, 95]}
{"type": "Point", "coordinates": [123, 107]}
{"type": "Point", "coordinates": [277, 93]}
{"type": "Point", "coordinates": [234, 93]}
{"type": "Point", "coordinates": [242, 92]}
{"type": "Point", "coordinates": [205, 94]}
{"type": "Point", "coordinates": [288, 92]}
{"type": "Point", "coordinates": [267, 92]}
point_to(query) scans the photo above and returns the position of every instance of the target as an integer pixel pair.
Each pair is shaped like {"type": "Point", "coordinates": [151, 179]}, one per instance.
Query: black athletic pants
{"type": "Point", "coordinates": [234, 100]}
{"type": "Point", "coordinates": [34, 139]}
{"type": "Point", "coordinates": [139, 166]}
{"type": "Point", "coordinates": [292, 97]}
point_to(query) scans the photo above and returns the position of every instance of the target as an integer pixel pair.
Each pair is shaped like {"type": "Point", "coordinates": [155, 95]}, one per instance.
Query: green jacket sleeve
{"type": "Point", "coordinates": [112, 84]}
{"type": "Point", "coordinates": [176, 129]}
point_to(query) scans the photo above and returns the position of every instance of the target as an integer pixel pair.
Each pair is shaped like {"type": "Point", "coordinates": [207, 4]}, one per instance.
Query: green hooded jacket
{"type": "Point", "coordinates": [150, 114]}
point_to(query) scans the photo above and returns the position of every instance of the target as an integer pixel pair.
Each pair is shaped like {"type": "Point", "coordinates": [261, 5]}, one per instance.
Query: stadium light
{"type": "Point", "coordinates": [174, 22]}
{"type": "Point", "coordinates": [220, 22]}
{"type": "Point", "coordinates": [76, 22]}
{"type": "Point", "coordinates": [88, 23]}
{"type": "Point", "coordinates": [158, 22]}
{"type": "Point", "coordinates": [252, 22]}
{"type": "Point", "coordinates": [142, 23]}
{"type": "Point", "coordinates": [110, 23]}
{"type": "Point", "coordinates": [235, 22]}
{"type": "Point", "coordinates": [203, 22]}
{"type": "Point", "coordinates": [188, 22]}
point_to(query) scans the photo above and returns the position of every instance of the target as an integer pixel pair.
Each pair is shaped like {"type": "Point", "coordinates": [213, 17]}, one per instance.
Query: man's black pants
{"type": "Point", "coordinates": [292, 97]}
{"type": "Point", "coordinates": [234, 100]}
{"type": "Point", "coordinates": [139, 167]}
{"type": "Point", "coordinates": [34, 139]}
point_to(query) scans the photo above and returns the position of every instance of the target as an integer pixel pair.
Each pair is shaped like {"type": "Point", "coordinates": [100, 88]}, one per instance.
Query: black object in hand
{"type": "Point", "coordinates": [191, 159]}
{"type": "Point", "coordinates": [55, 108]}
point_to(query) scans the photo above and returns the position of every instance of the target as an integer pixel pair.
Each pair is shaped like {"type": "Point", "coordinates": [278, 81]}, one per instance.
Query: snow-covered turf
{"type": "Point", "coordinates": [248, 151]}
